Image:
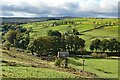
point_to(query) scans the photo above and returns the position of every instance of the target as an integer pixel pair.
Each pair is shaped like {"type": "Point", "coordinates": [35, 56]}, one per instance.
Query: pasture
{"type": "Point", "coordinates": [85, 26]}
{"type": "Point", "coordinates": [23, 65]}
{"type": "Point", "coordinates": [105, 68]}
{"type": "Point", "coordinates": [31, 72]}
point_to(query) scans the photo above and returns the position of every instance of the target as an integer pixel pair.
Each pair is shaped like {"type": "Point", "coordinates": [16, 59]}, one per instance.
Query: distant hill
{"type": "Point", "coordinates": [28, 19]}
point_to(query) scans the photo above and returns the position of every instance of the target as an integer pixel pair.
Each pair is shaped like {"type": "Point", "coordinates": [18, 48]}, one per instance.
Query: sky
{"type": "Point", "coordinates": [59, 8]}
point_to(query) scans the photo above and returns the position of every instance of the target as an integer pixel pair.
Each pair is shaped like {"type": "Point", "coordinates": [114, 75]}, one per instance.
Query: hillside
{"type": "Point", "coordinates": [33, 67]}
{"type": "Point", "coordinates": [22, 65]}
{"type": "Point", "coordinates": [85, 26]}
{"type": "Point", "coordinates": [18, 47]}
{"type": "Point", "coordinates": [17, 64]}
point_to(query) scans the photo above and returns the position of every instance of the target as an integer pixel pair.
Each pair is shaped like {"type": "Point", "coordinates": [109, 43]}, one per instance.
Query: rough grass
{"type": "Point", "coordinates": [13, 62]}
{"type": "Point", "coordinates": [31, 72]}
{"type": "Point", "coordinates": [24, 65]}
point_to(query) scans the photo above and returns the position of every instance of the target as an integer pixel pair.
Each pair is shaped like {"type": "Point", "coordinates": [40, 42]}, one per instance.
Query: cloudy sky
{"type": "Point", "coordinates": [59, 8]}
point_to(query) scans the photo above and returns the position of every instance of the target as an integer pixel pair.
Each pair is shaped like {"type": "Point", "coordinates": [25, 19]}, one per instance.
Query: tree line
{"type": "Point", "coordinates": [112, 45]}
{"type": "Point", "coordinates": [53, 44]}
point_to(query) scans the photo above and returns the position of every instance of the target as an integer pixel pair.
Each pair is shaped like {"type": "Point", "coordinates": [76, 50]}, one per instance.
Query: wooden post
{"type": "Point", "coordinates": [83, 62]}
{"type": "Point", "coordinates": [66, 62]}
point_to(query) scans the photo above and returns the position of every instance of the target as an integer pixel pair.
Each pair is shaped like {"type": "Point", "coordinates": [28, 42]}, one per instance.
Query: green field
{"type": "Point", "coordinates": [105, 68]}
{"type": "Point", "coordinates": [22, 65]}
{"type": "Point", "coordinates": [31, 72]}
{"type": "Point", "coordinates": [82, 25]}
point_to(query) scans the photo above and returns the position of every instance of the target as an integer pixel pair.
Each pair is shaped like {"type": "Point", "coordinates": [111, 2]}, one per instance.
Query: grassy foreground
{"type": "Point", "coordinates": [22, 65]}
{"type": "Point", "coordinates": [31, 72]}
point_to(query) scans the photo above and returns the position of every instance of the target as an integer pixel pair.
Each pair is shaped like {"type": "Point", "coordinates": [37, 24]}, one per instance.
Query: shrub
{"type": "Point", "coordinates": [7, 45]}
{"type": "Point", "coordinates": [104, 55]}
{"type": "Point", "coordinates": [51, 58]}
{"type": "Point", "coordinates": [58, 62]}
{"type": "Point", "coordinates": [94, 55]}
{"type": "Point", "coordinates": [99, 55]}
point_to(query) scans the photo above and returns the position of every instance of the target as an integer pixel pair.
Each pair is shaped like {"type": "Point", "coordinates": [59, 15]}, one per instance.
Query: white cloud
{"type": "Point", "coordinates": [90, 5]}
{"type": "Point", "coordinates": [93, 8]}
{"type": "Point", "coordinates": [109, 5]}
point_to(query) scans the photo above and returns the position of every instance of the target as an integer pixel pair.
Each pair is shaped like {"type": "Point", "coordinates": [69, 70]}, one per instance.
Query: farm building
{"type": "Point", "coordinates": [63, 54]}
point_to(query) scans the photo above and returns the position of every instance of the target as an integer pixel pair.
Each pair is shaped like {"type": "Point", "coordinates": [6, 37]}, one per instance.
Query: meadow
{"type": "Point", "coordinates": [105, 68]}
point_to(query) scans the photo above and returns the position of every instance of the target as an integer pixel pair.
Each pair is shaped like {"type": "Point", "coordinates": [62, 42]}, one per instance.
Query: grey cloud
{"type": "Point", "coordinates": [4, 13]}
{"type": "Point", "coordinates": [44, 10]}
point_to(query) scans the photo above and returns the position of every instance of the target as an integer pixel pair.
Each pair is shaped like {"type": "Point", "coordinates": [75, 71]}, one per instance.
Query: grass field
{"type": "Point", "coordinates": [25, 65]}
{"type": "Point", "coordinates": [31, 72]}
{"type": "Point", "coordinates": [83, 24]}
{"type": "Point", "coordinates": [105, 68]}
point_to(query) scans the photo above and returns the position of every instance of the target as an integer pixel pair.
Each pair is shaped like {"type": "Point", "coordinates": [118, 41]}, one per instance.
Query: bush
{"type": "Point", "coordinates": [99, 55]}
{"type": "Point", "coordinates": [94, 55]}
{"type": "Point", "coordinates": [7, 45]}
{"type": "Point", "coordinates": [51, 58]}
{"type": "Point", "coordinates": [58, 62]}
{"type": "Point", "coordinates": [104, 55]}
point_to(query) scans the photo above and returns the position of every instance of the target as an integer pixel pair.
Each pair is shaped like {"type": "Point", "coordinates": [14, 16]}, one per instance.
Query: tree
{"type": "Point", "coordinates": [69, 43]}
{"type": "Point", "coordinates": [112, 45]}
{"type": "Point", "coordinates": [10, 36]}
{"type": "Point", "coordinates": [79, 43]}
{"type": "Point", "coordinates": [40, 45]}
{"type": "Point", "coordinates": [75, 32]}
{"type": "Point", "coordinates": [31, 47]}
{"type": "Point", "coordinates": [118, 47]}
{"type": "Point", "coordinates": [56, 44]}
{"type": "Point", "coordinates": [22, 40]}
{"type": "Point", "coordinates": [91, 47]}
{"type": "Point", "coordinates": [104, 45]}
{"type": "Point", "coordinates": [96, 43]}
{"type": "Point", "coordinates": [63, 43]}
{"type": "Point", "coordinates": [74, 43]}
{"type": "Point", "coordinates": [54, 33]}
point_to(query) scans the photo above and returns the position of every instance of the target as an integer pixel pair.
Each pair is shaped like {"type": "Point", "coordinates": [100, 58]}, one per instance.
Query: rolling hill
{"type": "Point", "coordinates": [85, 26]}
